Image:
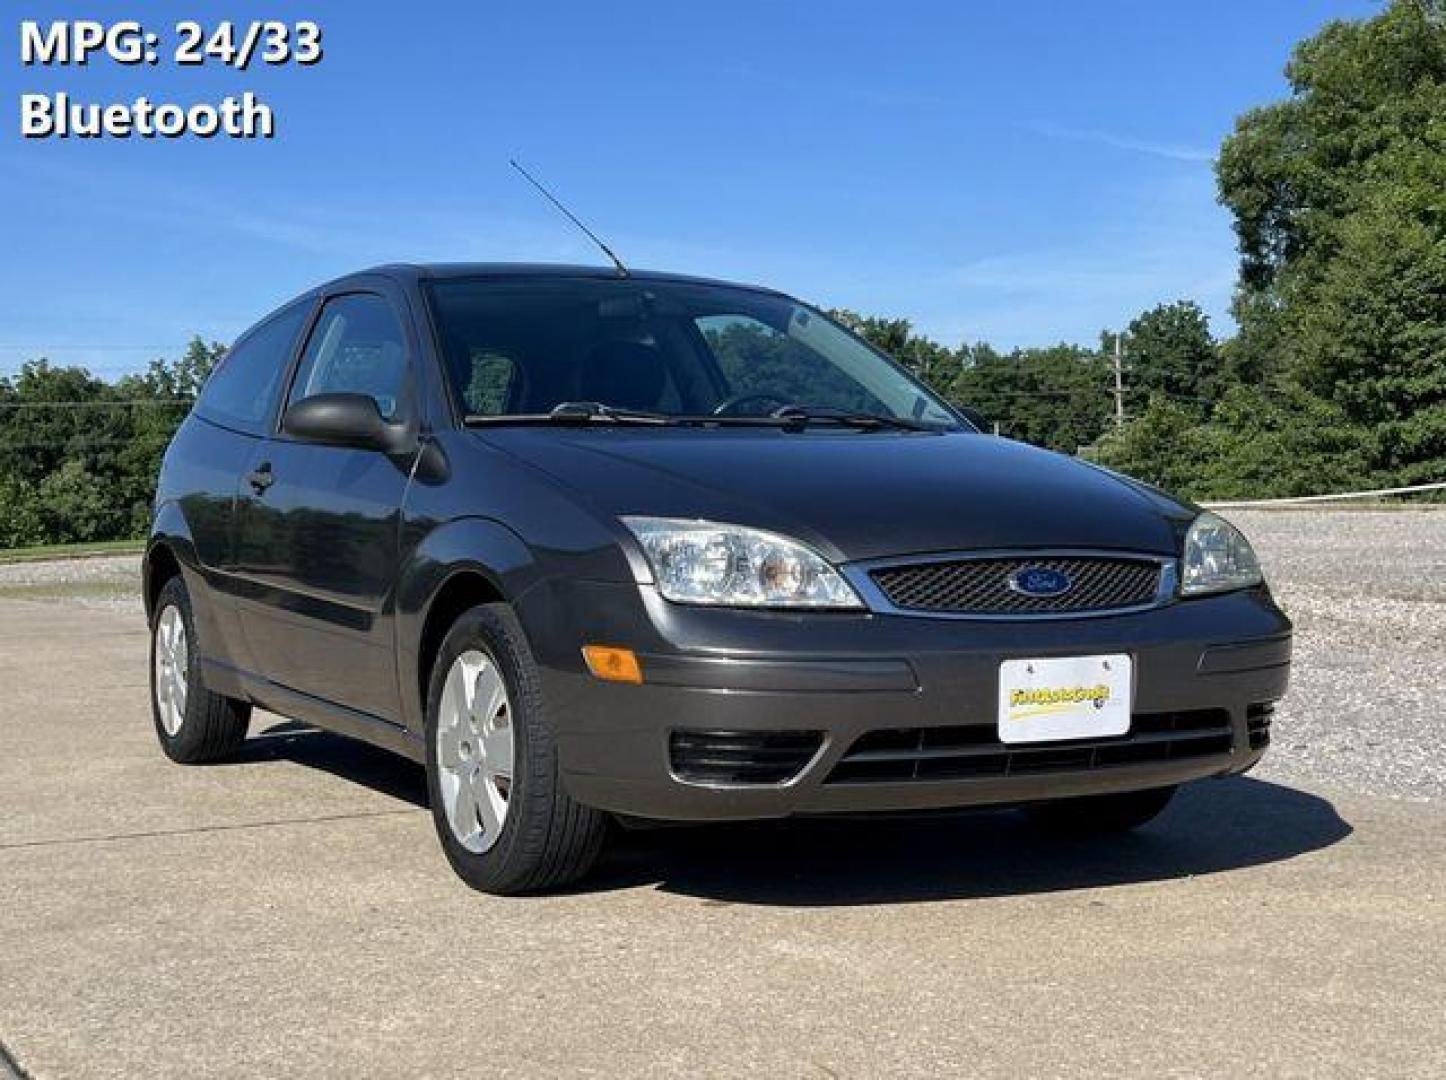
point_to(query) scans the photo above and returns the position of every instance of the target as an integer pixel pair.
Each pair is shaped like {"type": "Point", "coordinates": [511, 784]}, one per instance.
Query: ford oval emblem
{"type": "Point", "coordinates": [1040, 581]}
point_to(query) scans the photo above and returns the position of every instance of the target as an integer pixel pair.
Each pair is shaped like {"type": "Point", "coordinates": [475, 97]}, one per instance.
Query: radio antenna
{"type": "Point", "coordinates": [622, 270]}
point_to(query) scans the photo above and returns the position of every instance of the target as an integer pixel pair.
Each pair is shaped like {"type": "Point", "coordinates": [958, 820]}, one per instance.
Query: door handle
{"type": "Point", "coordinates": [261, 479]}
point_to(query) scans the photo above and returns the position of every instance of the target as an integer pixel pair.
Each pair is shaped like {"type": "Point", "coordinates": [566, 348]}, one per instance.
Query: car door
{"type": "Point", "coordinates": [210, 454]}
{"type": "Point", "coordinates": [318, 526]}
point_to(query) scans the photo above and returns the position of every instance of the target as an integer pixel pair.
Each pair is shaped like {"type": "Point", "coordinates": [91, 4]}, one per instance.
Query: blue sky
{"type": "Point", "coordinates": [1021, 172]}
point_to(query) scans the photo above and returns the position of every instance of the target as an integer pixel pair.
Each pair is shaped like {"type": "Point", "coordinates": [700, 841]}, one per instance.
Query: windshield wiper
{"type": "Point", "coordinates": [809, 414]}
{"type": "Point", "coordinates": [585, 411]}
{"type": "Point", "coordinates": [788, 416]}
{"type": "Point", "coordinates": [574, 412]}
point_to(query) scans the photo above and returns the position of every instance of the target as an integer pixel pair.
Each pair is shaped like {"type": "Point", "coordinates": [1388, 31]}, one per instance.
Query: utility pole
{"type": "Point", "coordinates": [1119, 384]}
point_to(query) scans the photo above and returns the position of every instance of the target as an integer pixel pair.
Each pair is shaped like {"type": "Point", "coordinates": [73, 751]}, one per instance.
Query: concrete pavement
{"type": "Point", "coordinates": [290, 914]}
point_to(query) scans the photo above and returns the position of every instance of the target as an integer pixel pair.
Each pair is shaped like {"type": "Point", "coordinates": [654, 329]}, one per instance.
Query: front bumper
{"type": "Point", "coordinates": [847, 675]}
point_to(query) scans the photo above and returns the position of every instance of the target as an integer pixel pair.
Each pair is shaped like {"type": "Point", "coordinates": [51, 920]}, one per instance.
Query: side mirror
{"type": "Point", "coordinates": [344, 420]}
{"type": "Point", "coordinates": [975, 417]}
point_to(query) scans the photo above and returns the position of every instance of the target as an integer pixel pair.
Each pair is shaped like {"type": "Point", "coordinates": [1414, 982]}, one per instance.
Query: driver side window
{"type": "Point", "coordinates": [357, 347]}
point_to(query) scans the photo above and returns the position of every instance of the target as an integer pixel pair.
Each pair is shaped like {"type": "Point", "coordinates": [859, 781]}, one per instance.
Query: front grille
{"type": "Point", "coordinates": [1257, 724]}
{"type": "Point", "coordinates": [741, 757]}
{"type": "Point", "coordinates": [981, 586]}
{"type": "Point", "coordinates": [958, 753]}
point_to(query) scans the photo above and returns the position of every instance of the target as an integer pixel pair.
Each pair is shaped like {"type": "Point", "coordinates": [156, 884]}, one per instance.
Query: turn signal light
{"type": "Point", "coordinates": [613, 665]}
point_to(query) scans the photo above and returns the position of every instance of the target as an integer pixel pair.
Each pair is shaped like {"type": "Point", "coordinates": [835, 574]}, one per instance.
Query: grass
{"type": "Point", "coordinates": [43, 552]}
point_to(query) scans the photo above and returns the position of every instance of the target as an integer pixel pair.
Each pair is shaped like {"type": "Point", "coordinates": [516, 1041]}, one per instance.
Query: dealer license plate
{"type": "Point", "coordinates": [1064, 697]}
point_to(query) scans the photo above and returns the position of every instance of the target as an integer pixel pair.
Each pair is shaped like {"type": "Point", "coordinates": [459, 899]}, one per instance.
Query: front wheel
{"type": "Point", "coordinates": [504, 820]}
{"type": "Point", "coordinates": [1096, 814]}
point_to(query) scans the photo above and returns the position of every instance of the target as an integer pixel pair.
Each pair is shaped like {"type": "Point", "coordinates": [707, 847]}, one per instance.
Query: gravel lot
{"type": "Point", "coordinates": [1367, 591]}
{"type": "Point", "coordinates": [106, 581]}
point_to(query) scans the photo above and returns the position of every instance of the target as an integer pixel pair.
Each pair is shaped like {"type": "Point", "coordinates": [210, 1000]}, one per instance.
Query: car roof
{"type": "Point", "coordinates": [451, 271]}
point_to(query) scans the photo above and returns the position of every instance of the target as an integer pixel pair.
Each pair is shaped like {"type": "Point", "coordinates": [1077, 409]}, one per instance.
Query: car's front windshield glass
{"type": "Point", "coordinates": [524, 346]}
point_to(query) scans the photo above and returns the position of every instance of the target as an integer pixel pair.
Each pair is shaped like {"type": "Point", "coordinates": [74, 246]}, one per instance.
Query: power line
{"type": "Point", "coordinates": [59, 441]}
{"type": "Point", "coordinates": [81, 348]}
{"type": "Point", "coordinates": [73, 450]}
{"type": "Point", "coordinates": [158, 403]}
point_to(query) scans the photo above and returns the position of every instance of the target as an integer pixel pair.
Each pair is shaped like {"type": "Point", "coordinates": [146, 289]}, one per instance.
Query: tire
{"type": "Point", "coordinates": [202, 726]}
{"type": "Point", "coordinates": [1101, 814]}
{"type": "Point", "coordinates": [544, 840]}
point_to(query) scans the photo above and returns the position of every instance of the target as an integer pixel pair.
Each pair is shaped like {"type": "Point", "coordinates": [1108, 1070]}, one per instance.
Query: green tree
{"type": "Point", "coordinates": [1165, 445]}
{"type": "Point", "coordinates": [1169, 350]}
{"type": "Point", "coordinates": [1367, 107]}
{"type": "Point", "coordinates": [1054, 397]}
{"type": "Point", "coordinates": [74, 505]}
{"type": "Point", "coordinates": [1339, 197]}
{"type": "Point", "coordinates": [20, 521]}
{"type": "Point", "coordinates": [52, 415]}
{"type": "Point", "coordinates": [79, 456]}
{"type": "Point", "coordinates": [989, 381]}
{"type": "Point", "coordinates": [1373, 342]}
{"type": "Point", "coordinates": [1272, 444]}
{"type": "Point", "coordinates": [180, 380]}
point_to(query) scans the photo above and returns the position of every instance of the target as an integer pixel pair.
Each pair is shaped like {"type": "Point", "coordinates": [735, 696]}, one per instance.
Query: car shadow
{"type": "Point", "coordinates": [349, 759]}
{"type": "Point", "coordinates": [1211, 826]}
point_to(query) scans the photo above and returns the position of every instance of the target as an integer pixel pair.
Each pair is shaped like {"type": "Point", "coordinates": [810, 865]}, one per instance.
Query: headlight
{"type": "Point", "coordinates": [1218, 558]}
{"type": "Point", "coordinates": [702, 562]}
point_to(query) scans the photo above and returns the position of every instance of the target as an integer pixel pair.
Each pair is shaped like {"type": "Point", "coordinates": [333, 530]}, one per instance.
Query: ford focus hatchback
{"type": "Point", "coordinates": [593, 545]}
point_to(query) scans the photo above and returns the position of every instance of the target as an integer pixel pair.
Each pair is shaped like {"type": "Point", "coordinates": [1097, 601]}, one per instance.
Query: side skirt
{"type": "Point", "coordinates": [295, 705]}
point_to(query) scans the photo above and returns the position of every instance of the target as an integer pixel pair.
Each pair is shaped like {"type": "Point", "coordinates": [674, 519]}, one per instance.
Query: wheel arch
{"type": "Point", "coordinates": [466, 588]}
{"type": "Point", "coordinates": [459, 565]}
{"type": "Point", "coordinates": [168, 550]}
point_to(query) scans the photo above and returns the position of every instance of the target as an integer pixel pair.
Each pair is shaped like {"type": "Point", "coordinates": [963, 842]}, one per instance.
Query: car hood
{"type": "Point", "coordinates": [856, 495]}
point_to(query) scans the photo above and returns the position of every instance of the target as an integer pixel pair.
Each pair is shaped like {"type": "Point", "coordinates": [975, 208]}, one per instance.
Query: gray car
{"type": "Point", "coordinates": [592, 544]}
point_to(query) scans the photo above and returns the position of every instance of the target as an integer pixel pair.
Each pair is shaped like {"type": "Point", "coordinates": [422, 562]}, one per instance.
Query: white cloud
{"type": "Point", "coordinates": [1168, 240]}
{"type": "Point", "coordinates": [1168, 150]}
{"type": "Point", "coordinates": [1041, 297]}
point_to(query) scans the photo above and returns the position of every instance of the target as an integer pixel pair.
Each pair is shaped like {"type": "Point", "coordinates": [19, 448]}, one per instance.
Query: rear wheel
{"type": "Point", "coordinates": [503, 818]}
{"type": "Point", "coordinates": [192, 723]}
{"type": "Point", "coordinates": [1101, 813]}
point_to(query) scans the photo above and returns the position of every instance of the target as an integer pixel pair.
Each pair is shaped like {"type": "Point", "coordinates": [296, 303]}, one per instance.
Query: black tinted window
{"type": "Point", "coordinates": [242, 390]}
{"type": "Point", "coordinates": [357, 348]}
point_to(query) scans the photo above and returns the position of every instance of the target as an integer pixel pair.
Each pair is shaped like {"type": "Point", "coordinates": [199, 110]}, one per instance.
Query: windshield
{"type": "Point", "coordinates": [523, 347]}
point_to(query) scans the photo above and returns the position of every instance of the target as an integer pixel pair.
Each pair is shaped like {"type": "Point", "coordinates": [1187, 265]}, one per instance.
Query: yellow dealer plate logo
{"type": "Point", "coordinates": [1064, 697]}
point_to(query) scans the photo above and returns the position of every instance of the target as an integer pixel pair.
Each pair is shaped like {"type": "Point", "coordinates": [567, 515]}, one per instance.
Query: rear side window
{"type": "Point", "coordinates": [357, 348]}
{"type": "Point", "coordinates": [242, 390]}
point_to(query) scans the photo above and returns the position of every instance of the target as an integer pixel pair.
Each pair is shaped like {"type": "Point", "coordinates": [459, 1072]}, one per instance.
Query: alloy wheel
{"type": "Point", "coordinates": [172, 657]}
{"type": "Point", "coordinates": [475, 750]}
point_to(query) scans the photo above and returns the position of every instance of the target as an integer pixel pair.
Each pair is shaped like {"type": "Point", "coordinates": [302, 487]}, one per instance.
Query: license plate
{"type": "Point", "coordinates": [1064, 697]}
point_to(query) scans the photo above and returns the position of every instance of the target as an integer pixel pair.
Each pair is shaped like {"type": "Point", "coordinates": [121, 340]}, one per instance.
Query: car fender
{"type": "Point", "coordinates": [169, 530]}
{"type": "Point", "coordinates": [471, 545]}
{"type": "Point", "coordinates": [218, 633]}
